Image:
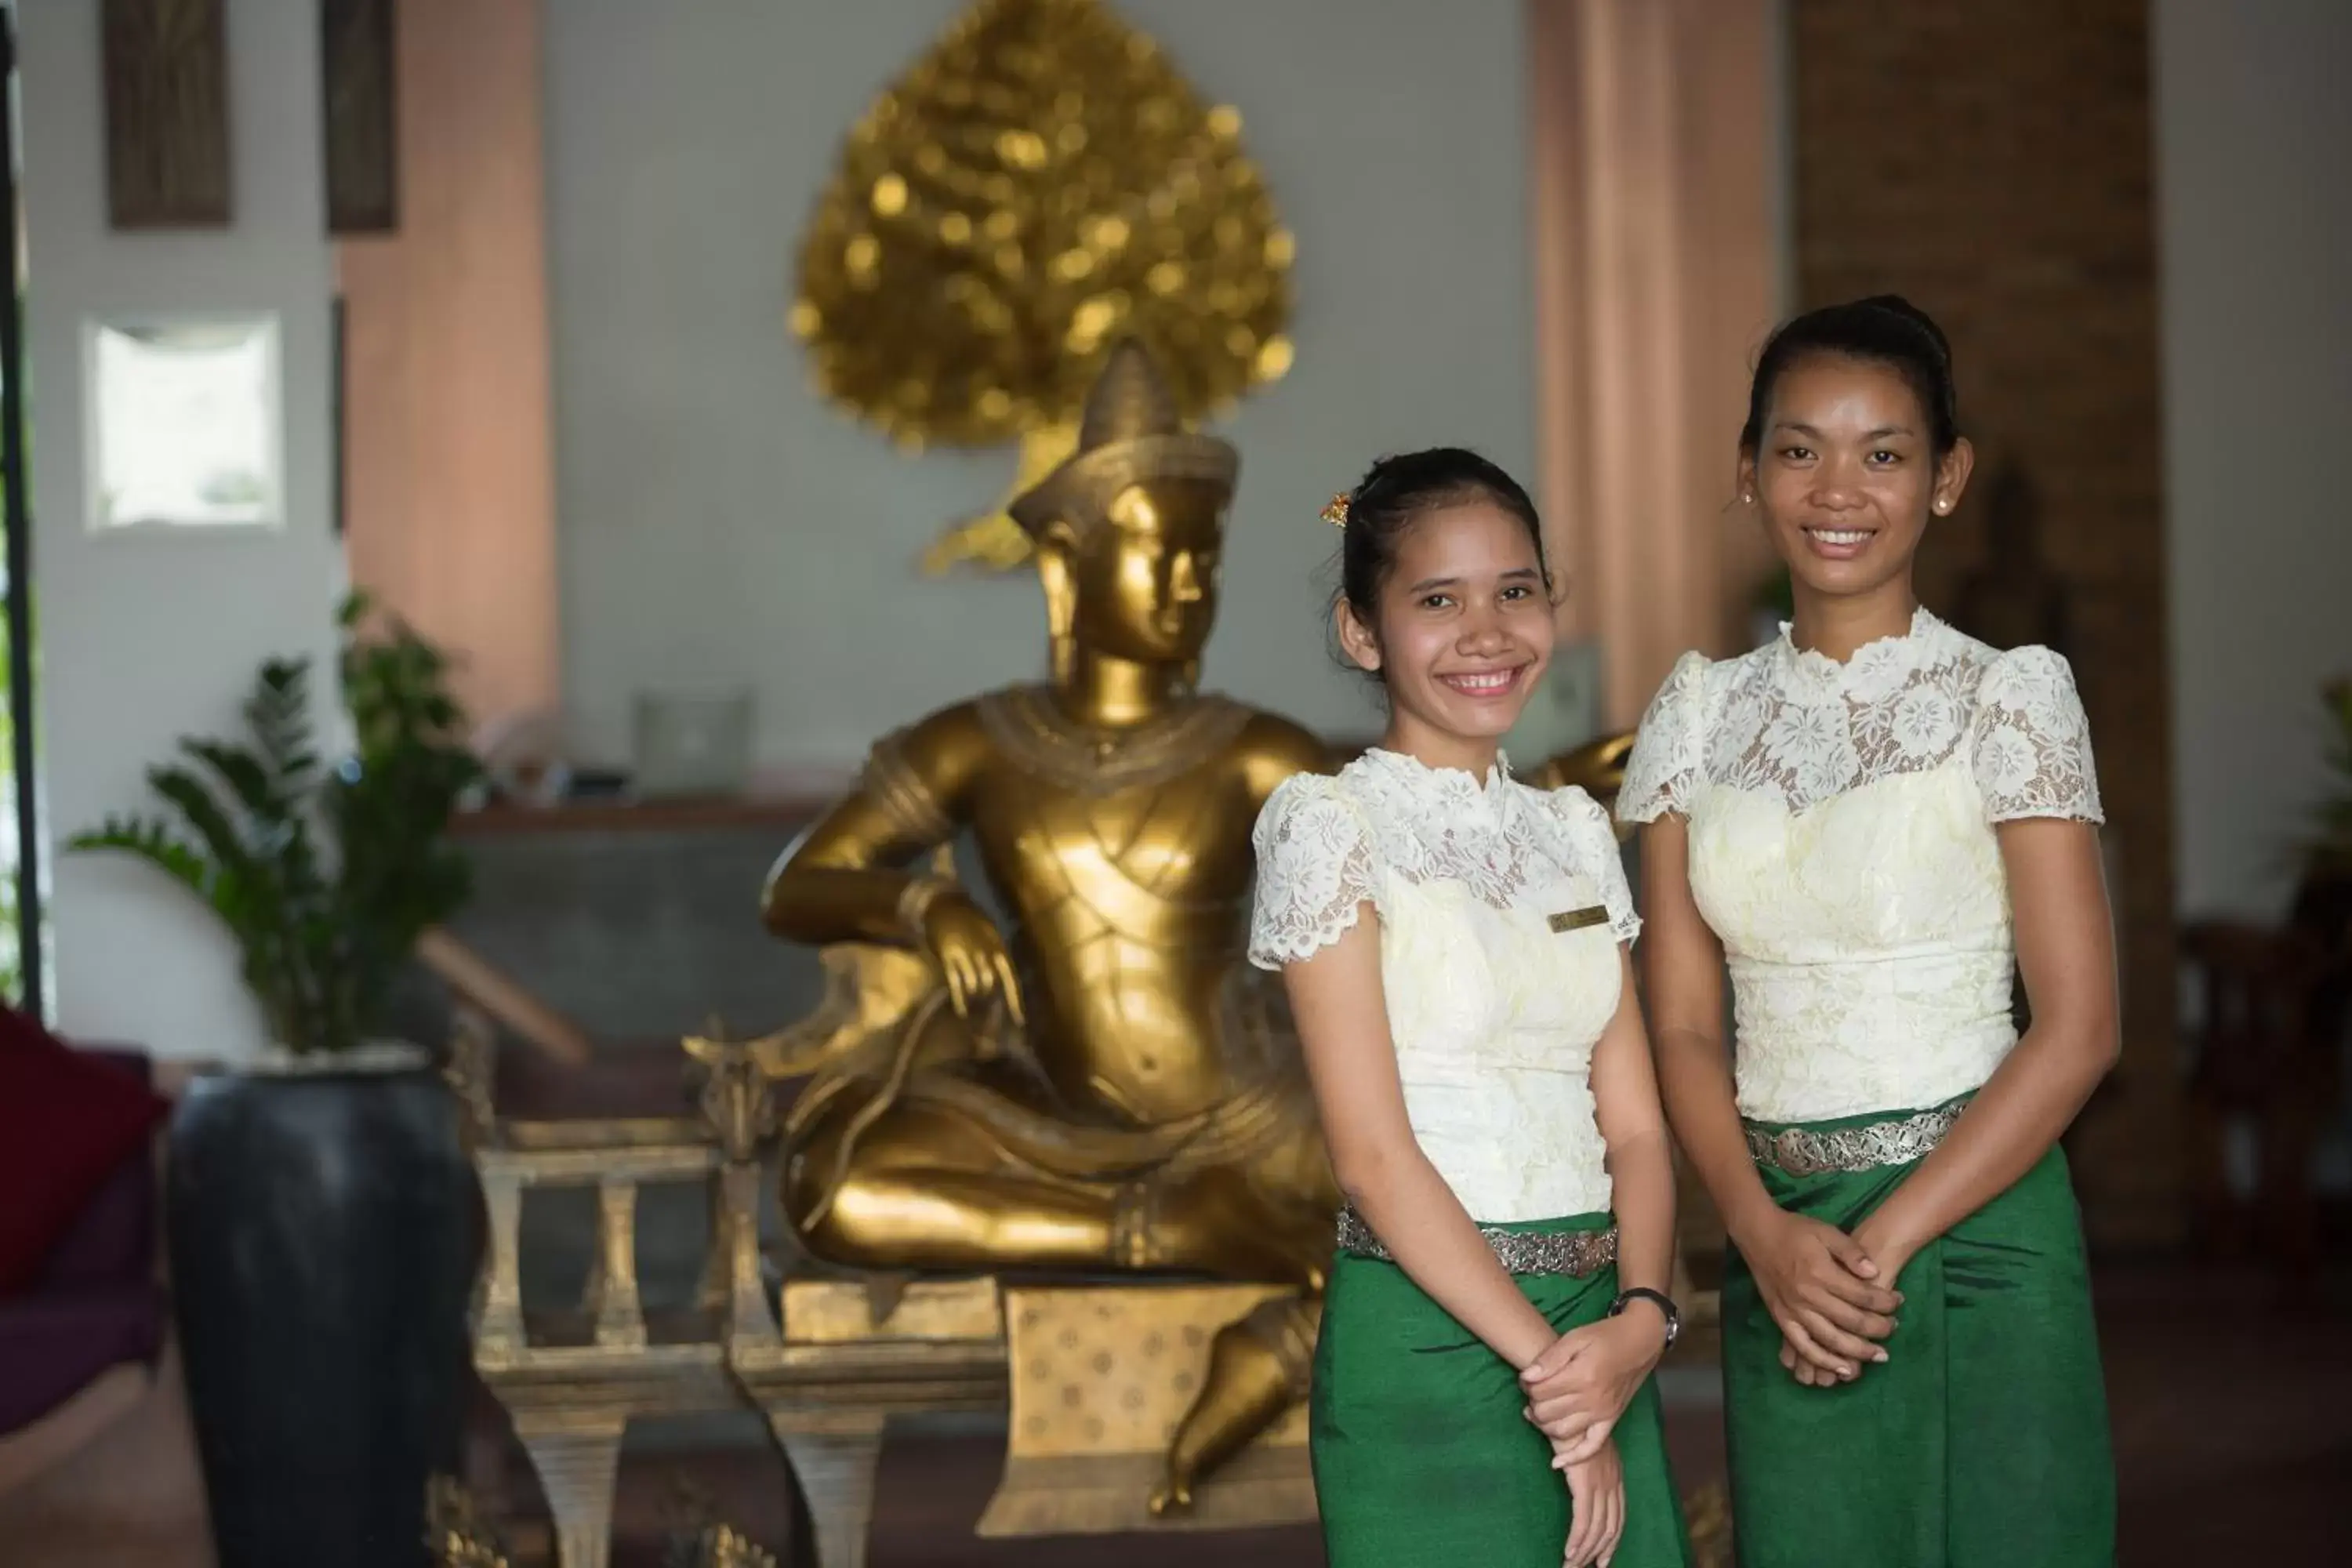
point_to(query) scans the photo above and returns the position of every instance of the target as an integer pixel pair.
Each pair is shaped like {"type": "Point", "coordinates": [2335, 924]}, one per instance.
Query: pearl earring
{"type": "Point", "coordinates": [1943, 505]}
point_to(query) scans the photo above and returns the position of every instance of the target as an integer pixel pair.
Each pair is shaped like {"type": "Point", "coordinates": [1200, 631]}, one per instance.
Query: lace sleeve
{"type": "Point", "coordinates": [2030, 747]}
{"type": "Point", "coordinates": [1600, 856]}
{"type": "Point", "coordinates": [1315, 871]}
{"type": "Point", "coordinates": [1670, 748]}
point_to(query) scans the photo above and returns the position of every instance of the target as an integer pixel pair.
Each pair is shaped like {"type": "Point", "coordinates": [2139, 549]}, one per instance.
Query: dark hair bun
{"type": "Point", "coordinates": [1397, 491]}
{"type": "Point", "coordinates": [1886, 329]}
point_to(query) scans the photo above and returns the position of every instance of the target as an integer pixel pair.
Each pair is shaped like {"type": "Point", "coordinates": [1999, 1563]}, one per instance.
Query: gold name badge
{"type": "Point", "coordinates": [1577, 919]}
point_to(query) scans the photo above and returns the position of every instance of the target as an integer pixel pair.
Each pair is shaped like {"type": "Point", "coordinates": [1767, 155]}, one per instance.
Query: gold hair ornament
{"type": "Point", "coordinates": [1336, 514]}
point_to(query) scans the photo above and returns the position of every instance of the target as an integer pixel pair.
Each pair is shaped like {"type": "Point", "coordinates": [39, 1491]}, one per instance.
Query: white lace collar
{"type": "Point", "coordinates": [1799, 727]}
{"type": "Point", "coordinates": [1877, 667]}
{"type": "Point", "coordinates": [1493, 834]}
{"type": "Point", "coordinates": [1446, 785]}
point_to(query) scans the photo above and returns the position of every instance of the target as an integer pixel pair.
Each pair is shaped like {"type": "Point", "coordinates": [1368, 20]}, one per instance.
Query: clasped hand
{"type": "Point", "coordinates": [1578, 1388]}
{"type": "Point", "coordinates": [1831, 1293]}
{"type": "Point", "coordinates": [1596, 1495]}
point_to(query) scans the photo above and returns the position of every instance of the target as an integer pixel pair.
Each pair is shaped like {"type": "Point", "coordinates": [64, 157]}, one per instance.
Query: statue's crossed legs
{"type": "Point", "coordinates": [927, 1187]}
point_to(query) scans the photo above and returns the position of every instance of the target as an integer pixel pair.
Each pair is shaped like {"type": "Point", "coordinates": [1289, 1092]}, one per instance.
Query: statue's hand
{"type": "Point", "coordinates": [970, 953]}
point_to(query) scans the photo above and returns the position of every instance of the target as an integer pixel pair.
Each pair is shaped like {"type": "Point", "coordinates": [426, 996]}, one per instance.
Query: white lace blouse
{"type": "Point", "coordinates": [1501, 907]}
{"type": "Point", "coordinates": [1842, 848]}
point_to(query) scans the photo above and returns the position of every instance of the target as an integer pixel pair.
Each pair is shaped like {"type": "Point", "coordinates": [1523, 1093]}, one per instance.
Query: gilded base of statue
{"type": "Point", "coordinates": [1101, 1378]}
{"type": "Point", "coordinates": [1096, 1379]}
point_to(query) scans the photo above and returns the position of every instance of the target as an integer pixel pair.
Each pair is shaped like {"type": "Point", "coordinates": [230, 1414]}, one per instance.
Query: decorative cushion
{"type": "Point", "coordinates": [54, 1343]}
{"type": "Point", "coordinates": [68, 1123]}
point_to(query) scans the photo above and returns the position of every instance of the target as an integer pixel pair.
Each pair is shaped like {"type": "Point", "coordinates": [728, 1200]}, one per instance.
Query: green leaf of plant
{"type": "Point", "coordinates": [325, 877]}
{"type": "Point", "coordinates": [153, 842]}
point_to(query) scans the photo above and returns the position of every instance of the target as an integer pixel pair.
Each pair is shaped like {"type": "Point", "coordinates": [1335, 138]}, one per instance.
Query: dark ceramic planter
{"type": "Point", "coordinates": [322, 1229]}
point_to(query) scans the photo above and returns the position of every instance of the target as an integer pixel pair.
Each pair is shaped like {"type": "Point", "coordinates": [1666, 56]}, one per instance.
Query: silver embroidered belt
{"type": "Point", "coordinates": [1803, 1152]}
{"type": "Point", "coordinates": [1571, 1252]}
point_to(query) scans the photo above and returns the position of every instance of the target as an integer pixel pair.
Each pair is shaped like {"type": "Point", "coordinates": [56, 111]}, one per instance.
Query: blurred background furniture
{"type": "Point", "coordinates": [2266, 1053]}
{"type": "Point", "coordinates": [97, 1463]}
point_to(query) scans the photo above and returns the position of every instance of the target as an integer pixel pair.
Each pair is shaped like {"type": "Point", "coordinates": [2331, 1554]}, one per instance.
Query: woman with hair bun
{"type": "Point", "coordinates": [1879, 824]}
{"type": "Point", "coordinates": [1453, 944]}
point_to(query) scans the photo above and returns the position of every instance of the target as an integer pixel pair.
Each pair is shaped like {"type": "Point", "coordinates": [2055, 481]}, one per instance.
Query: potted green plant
{"type": "Point", "coordinates": [321, 1210]}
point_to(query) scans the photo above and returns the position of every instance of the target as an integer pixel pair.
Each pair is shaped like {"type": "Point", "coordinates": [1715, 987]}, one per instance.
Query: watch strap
{"type": "Point", "coordinates": [1658, 1298]}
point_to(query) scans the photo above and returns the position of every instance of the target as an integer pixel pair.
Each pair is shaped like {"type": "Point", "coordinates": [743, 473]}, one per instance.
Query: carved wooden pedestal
{"type": "Point", "coordinates": [848, 1357]}
{"type": "Point", "coordinates": [572, 1383]}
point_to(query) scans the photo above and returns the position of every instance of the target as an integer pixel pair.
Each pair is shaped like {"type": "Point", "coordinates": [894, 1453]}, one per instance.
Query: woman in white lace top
{"type": "Point", "coordinates": [1454, 945]}
{"type": "Point", "coordinates": [1878, 824]}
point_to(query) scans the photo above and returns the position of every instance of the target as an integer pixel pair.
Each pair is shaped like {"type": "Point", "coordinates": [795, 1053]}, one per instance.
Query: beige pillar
{"type": "Point", "coordinates": [447, 464]}
{"type": "Point", "coordinates": [1656, 167]}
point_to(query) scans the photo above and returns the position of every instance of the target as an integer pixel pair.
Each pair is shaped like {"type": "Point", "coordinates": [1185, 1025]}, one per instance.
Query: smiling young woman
{"type": "Point", "coordinates": [1878, 822]}
{"type": "Point", "coordinates": [1453, 944]}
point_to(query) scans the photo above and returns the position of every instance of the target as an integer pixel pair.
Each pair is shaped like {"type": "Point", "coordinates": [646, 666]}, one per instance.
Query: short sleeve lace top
{"type": "Point", "coordinates": [1841, 848]}
{"type": "Point", "coordinates": [1500, 908]}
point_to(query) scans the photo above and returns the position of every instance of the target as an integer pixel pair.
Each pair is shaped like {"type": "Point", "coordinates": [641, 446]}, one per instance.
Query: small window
{"type": "Point", "coordinates": [183, 422]}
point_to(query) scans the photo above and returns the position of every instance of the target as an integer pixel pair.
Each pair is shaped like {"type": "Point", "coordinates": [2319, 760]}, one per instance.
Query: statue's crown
{"type": "Point", "coordinates": [1130, 432]}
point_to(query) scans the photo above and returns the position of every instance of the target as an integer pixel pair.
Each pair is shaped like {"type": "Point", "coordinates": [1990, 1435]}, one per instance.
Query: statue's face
{"type": "Point", "coordinates": [1146, 578]}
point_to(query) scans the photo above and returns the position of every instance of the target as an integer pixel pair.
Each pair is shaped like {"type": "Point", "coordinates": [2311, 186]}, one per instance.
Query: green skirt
{"type": "Point", "coordinates": [1422, 1452]}
{"type": "Point", "coordinates": [1982, 1440]}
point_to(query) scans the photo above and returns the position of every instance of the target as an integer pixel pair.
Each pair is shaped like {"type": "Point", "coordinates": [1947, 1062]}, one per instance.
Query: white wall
{"type": "Point", "coordinates": [719, 526]}
{"type": "Point", "coordinates": [2253, 128]}
{"type": "Point", "coordinates": [146, 638]}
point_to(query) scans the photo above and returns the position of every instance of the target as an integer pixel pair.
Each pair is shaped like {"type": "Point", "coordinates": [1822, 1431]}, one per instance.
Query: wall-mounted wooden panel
{"type": "Point", "coordinates": [167, 81]}
{"type": "Point", "coordinates": [362, 123]}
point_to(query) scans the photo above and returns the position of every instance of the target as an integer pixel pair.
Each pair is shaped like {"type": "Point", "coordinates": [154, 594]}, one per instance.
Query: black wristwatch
{"type": "Point", "coordinates": [1658, 1298]}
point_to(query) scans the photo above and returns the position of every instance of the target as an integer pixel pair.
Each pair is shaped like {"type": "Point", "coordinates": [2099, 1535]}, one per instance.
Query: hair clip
{"type": "Point", "coordinates": [1336, 514]}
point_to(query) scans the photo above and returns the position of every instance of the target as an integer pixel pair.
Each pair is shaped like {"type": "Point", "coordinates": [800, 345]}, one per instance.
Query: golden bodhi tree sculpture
{"type": "Point", "coordinates": [1038, 185]}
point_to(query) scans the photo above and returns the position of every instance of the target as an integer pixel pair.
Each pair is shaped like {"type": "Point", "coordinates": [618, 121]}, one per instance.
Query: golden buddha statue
{"type": "Point", "coordinates": [1596, 767]}
{"type": "Point", "coordinates": [1102, 1083]}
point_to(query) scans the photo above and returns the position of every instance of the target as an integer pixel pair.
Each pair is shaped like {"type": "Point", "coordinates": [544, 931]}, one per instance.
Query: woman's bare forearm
{"type": "Point", "coordinates": [1639, 1154]}
{"type": "Point", "coordinates": [1642, 1185]}
{"type": "Point", "coordinates": [1434, 1240]}
{"type": "Point", "coordinates": [1684, 971]}
{"type": "Point", "coordinates": [2030, 1101]}
{"type": "Point", "coordinates": [1695, 1079]}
